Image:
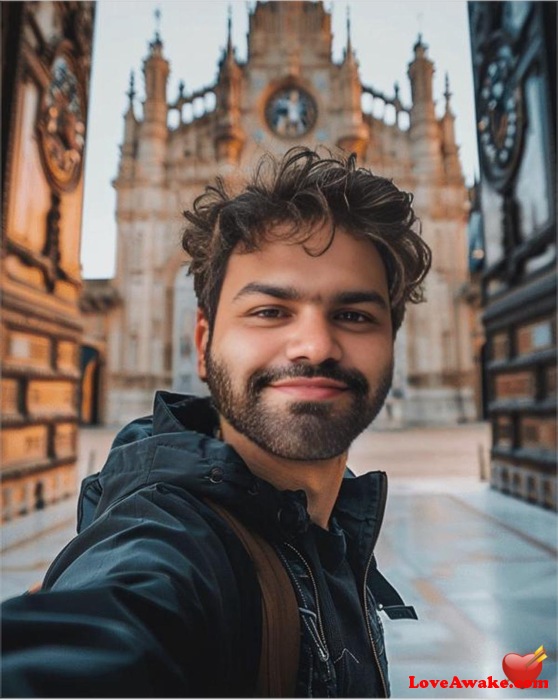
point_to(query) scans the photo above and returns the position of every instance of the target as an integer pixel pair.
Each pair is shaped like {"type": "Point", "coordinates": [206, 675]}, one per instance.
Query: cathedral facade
{"type": "Point", "coordinates": [289, 91]}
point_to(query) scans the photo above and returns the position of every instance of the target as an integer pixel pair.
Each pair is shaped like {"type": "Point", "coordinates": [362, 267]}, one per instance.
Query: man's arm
{"type": "Point", "coordinates": [145, 602]}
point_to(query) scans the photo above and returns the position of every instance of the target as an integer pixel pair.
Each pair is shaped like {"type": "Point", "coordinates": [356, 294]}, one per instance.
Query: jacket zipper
{"type": "Point", "coordinates": [381, 510]}
{"type": "Point", "coordinates": [324, 653]}
{"type": "Point", "coordinates": [370, 636]}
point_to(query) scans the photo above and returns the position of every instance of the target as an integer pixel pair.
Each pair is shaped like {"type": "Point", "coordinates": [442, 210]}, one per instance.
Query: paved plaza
{"type": "Point", "coordinates": [479, 567]}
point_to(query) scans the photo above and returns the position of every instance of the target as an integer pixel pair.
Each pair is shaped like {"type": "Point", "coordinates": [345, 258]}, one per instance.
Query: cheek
{"type": "Point", "coordinates": [245, 351]}
{"type": "Point", "coordinates": [373, 358]}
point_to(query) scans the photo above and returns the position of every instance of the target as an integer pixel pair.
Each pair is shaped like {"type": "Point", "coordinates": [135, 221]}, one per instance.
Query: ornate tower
{"type": "Point", "coordinates": [439, 372]}
{"type": "Point", "coordinates": [423, 132]}
{"type": "Point", "coordinates": [354, 134]}
{"type": "Point", "coordinates": [138, 359]}
{"type": "Point", "coordinates": [153, 130]}
{"type": "Point", "coordinates": [229, 135]}
{"type": "Point", "coordinates": [450, 151]}
{"type": "Point", "coordinates": [128, 149]}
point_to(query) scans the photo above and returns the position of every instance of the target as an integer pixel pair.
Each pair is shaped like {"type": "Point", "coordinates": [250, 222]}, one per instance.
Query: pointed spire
{"type": "Point", "coordinates": [420, 47]}
{"type": "Point", "coordinates": [130, 133]}
{"type": "Point", "coordinates": [157, 15]}
{"type": "Point", "coordinates": [447, 94]}
{"type": "Point", "coordinates": [131, 88]}
{"type": "Point", "coordinates": [349, 40]}
{"type": "Point", "coordinates": [230, 48]}
{"type": "Point", "coordinates": [228, 58]}
{"type": "Point", "coordinates": [349, 57]}
{"type": "Point", "coordinates": [396, 99]}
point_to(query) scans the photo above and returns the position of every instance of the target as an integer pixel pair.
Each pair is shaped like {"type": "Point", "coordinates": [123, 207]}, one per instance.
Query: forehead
{"type": "Point", "coordinates": [349, 262]}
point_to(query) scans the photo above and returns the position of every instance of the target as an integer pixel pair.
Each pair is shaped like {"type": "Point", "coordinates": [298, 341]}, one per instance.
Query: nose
{"type": "Point", "coordinates": [313, 339]}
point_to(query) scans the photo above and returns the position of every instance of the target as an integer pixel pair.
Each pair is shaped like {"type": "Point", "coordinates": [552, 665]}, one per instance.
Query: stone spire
{"type": "Point", "coordinates": [230, 47]}
{"type": "Point", "coordinates": [229, 136]}
{"type": "Point", "coordinates": [452, 166]}
{"type": "Point", "coordinates": [129, 142]}
{"type": "Point", "coordinates": [154, 130]}
{"type": "Point", "coordinates": [156, 72]}
{"type": "Point", "coordinates": [421, 73]}
{"type": "Point", "coordinates": [131, 90]}
{"type": "Point", "coordinates": [354, 133]}
{"type": "Point", "coordinates": [447, 95]}
{"type": "Point", "coordinates": [424, 130]}
{"type": "Point", "coordinates": [349, 53]}
{"type": "Point", "coordinates": [130, 121]}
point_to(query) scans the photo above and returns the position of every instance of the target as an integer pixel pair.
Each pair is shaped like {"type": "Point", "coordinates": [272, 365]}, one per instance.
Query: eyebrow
{"type": "Point", "coordinates": [289, 293]}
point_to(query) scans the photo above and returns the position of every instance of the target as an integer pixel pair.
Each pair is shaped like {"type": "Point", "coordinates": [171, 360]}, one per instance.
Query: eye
{"type": "Point", "coordinates": [271, 312]}
{"type": "Point", "coordinates": [353, 317]}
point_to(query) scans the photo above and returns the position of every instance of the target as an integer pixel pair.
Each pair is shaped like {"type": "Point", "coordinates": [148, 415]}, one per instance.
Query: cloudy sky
{"type": "Point", "coordinates": [193, 34]}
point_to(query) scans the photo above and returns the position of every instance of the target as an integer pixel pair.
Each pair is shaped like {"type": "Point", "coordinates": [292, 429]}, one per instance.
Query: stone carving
{"type": "Point", "coordinates": [291, 112]}
{"type": "Point", "coordinates": [61, 124]}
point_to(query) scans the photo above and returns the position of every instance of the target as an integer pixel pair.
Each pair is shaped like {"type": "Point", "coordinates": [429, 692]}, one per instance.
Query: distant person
{"type": "Point", "coordinates": [215, 518]}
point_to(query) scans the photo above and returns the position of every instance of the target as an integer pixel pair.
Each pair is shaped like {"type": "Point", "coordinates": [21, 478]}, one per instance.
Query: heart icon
{"type": "Point", "coordinates": [521, 670]}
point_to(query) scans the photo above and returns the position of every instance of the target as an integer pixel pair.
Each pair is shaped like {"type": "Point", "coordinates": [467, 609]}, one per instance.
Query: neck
{"type": "Point", "coordinates": [319, 479]}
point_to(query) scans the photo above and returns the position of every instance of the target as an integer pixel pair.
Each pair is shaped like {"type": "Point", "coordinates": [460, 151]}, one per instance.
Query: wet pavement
{"type": "Point", "coordinates": [479, 567]}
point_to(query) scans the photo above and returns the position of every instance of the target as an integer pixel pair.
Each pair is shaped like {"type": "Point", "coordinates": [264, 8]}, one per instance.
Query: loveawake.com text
{"type": "Point", "coordinates": [457, 682]}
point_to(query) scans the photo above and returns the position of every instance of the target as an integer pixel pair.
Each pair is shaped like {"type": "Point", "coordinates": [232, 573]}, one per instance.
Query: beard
{"type": "Point", "coordinates": [298, 430]}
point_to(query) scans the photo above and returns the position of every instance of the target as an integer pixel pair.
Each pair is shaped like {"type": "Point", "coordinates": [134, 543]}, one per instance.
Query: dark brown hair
{"type": "Point", "coordinates": [304, 189]}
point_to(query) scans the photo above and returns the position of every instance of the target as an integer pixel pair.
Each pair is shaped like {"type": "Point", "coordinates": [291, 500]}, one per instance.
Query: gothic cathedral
{"type": "Point", "coordinates": [289, 91]}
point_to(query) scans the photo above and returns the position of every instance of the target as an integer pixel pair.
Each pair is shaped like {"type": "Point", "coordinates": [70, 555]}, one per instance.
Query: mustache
{"type": "Point", "coordinates": [355, 380]}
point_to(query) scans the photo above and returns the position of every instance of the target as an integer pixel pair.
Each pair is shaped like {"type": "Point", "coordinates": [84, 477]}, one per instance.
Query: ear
{"type": "Point", "coordinates": [201, 338]}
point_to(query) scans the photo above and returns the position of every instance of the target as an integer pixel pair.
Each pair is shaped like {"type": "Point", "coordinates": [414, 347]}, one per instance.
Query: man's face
{"type": "Point", "coordinates": [301, 355]}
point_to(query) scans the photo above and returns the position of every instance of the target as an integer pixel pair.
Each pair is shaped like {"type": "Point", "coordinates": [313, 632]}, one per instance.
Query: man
{"type": "Point", "coordinates": [302, 280]}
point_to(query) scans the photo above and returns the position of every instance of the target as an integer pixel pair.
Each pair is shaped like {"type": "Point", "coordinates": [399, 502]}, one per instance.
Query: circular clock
{"type": "Point", "coordinates": [290, 112]}
{"type": "Point", "coordinates": [501, 123]}
{"type": "Point", "coordinates": [61, 124]}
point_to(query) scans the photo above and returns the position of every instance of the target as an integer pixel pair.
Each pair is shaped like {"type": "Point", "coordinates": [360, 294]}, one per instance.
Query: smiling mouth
{"type": "Point", "coordinates": [314, 389]}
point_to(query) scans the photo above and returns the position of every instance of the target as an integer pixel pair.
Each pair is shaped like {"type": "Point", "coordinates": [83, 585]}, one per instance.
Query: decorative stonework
{"type": "Point", "coordinates": [22, 445]}
{"type": "Point", "coordinates": [52, 398]}
{"type": "Point", "coordinates": [27, 349]}
{"type": "Point", "coordinates": [291, 112]}
{"type": "Point", "coordinates": [502, 118]}
{"type": "Point", "coordinates": [67, 354]}
{"type": "Point", "coordinates": [61, 123]}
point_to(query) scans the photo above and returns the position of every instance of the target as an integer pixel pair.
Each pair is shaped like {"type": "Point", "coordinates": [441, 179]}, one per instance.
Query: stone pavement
{"type": "Point", "coordinates": [479, 567]}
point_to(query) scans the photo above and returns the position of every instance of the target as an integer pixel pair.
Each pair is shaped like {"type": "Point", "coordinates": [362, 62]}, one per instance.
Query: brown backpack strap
{"type": "Point", "coordinates": [280, 648]}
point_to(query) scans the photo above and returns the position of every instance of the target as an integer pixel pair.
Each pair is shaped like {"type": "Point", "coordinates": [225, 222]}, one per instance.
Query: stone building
{"type": "Point", "coordinates": [46, 55]}
{"type": "Point", "coordinates": [514, 70]}
{"type": "Point", "coordinates": [288, 91]}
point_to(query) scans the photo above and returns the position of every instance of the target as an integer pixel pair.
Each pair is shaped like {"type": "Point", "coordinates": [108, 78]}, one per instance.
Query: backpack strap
{"type": "Point", "coordinates": [280, 649]}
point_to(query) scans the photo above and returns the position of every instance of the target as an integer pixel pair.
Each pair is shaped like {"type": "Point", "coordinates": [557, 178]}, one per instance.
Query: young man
{"type": "Point", "coordinates": [302, 280]}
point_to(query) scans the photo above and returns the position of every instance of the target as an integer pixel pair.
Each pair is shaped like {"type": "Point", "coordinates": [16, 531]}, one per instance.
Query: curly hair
{"type": "Point", "coordinates": [304, 189]}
